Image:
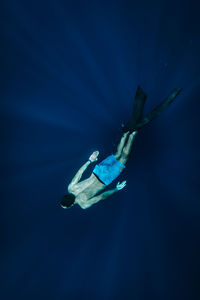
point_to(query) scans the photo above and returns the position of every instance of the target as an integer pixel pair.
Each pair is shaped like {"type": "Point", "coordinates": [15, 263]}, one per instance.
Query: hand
{"type": "Point", "coordinates": [120, 186]}
{"type": "Point", "coordinates": [93, 157]}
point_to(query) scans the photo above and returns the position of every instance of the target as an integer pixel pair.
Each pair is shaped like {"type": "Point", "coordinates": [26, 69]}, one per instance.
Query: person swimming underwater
{"type": "Point", "coordinates": [84, 193]}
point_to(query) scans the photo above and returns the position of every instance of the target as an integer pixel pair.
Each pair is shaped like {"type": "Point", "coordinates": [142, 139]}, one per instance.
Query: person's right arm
{"type": "Point", "coordinates": [105, 195]}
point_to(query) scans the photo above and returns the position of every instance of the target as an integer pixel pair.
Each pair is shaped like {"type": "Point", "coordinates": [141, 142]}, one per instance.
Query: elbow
{"type": "Point", "coordinates": [84, 207]}
{"type": "Point", "coordinates": [70, 188]}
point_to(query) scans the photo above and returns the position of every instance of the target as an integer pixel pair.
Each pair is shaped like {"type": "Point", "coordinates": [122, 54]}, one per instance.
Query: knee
{"type": "Point", "coordinates": [125, 153]}
{"type": "Point", "coordinates": [124, 156]}
{"type": "Point", "coordinates": [117, 155]}
{"type": "Point", "coordinates": [123, 159]}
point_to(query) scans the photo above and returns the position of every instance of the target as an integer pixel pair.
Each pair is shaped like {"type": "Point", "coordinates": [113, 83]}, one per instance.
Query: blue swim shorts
{"type": "Point", "coordinates": [109, 169]}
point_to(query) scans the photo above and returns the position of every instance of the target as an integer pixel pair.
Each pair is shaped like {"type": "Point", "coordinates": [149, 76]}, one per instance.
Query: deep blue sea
{"type": "Point", "coordinates": [69, 73]}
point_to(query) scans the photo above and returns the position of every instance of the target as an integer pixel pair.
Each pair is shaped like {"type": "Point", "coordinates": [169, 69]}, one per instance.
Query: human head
{"type": "Point", "coordinates": [67, 200]}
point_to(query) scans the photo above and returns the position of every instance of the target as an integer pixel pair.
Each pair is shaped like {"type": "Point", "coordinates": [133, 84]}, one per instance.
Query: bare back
{"type": "Point", "coordinates": [87, 189]}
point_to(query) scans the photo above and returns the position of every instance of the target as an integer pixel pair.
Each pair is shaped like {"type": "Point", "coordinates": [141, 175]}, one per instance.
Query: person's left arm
{"type": "Point", "coordinates": [80, 172]}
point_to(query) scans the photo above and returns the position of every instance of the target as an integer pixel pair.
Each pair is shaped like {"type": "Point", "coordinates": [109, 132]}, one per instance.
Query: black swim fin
{"type": "Point", "coordinates": [158, 109]}
{"type": "Point", "coordinates": [138, 107]}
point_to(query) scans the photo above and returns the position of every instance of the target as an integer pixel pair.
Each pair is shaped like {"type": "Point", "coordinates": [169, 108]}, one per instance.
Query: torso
{"type": "Point", "coordinates": [87, 189]}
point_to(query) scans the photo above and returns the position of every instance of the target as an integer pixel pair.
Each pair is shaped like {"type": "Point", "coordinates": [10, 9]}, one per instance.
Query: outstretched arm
{"type": "Point", "coordinates": [79, 174]}
{"type": "Point", "coordinates": [105, 195]}
{"type": "Point", "coordinates": [100, 197]}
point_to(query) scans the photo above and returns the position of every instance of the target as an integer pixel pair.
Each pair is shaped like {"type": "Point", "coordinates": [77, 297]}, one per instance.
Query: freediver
{"type": "Point", "coordinates": [84, 193]}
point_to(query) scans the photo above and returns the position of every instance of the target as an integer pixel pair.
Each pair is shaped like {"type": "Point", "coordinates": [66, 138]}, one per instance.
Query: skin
{"type": "Point", "coordinates": [85, 191]}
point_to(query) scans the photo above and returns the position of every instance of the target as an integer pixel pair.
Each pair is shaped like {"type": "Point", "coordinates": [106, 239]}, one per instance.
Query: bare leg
{"type": "Point", "coordinates": [121, 145]}
{"type": "Point", "coordinates": [127, 149]}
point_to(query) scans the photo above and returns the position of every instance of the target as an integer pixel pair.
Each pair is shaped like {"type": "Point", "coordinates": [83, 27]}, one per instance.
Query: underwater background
{"type": "Point", "coordinates": [69, 72]}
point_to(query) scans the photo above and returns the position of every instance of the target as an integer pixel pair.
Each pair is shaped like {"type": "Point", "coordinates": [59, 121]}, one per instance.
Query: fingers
{"type": "Point", "coordinates": [96, 153]}
{"type": "Point", "coordinates": [123, 182]}
{"type": "Point", "coordinates": [121, 185]}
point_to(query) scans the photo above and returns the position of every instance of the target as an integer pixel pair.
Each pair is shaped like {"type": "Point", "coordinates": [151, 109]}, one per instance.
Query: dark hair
{"type": "Point", "coordinates": [67, 200]}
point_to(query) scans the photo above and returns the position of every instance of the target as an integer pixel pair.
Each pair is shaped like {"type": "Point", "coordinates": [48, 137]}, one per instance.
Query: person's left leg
{"type": "Point", "coordinates": [127, 149]}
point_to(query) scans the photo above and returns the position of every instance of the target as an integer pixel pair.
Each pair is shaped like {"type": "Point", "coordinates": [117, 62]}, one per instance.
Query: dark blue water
{"type": "Point", "coordinates": [69, 72]}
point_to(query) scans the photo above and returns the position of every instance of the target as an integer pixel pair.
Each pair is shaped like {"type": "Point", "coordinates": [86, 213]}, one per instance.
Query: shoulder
{"type": "Point", "coordinates": [82, 200]}
{"type": "Point", "coordinates": [83, 206]}
{"type": "Point", "coordinates": [71, 188]}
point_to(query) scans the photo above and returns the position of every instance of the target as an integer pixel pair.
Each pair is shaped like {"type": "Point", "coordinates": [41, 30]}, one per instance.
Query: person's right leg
{"type": "Point", "coordinates": [121, 145]}
{"type": "Point", "coordinates": [127, 148]}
